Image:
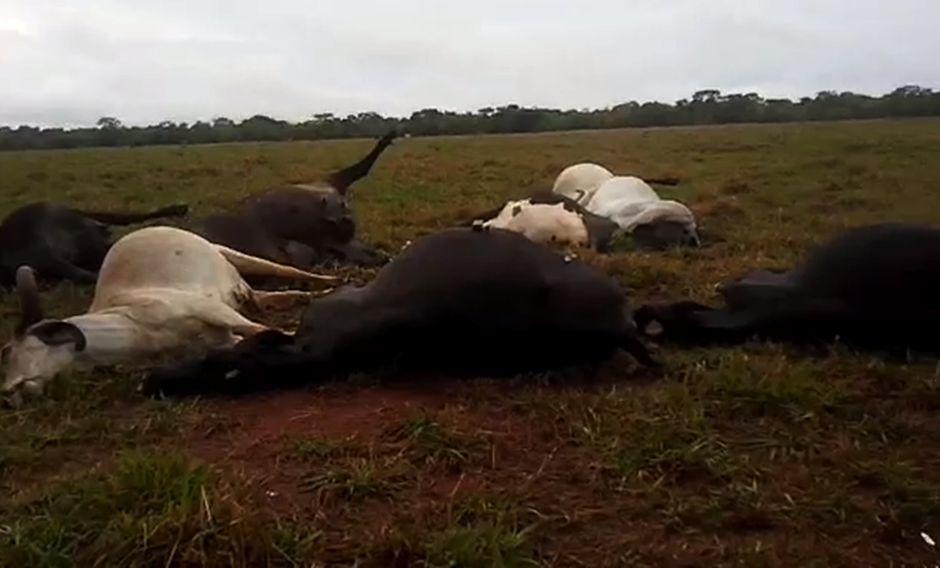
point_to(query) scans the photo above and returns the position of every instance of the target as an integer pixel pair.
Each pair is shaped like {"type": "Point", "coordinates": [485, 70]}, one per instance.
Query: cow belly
{"type": "Point", "coordinates": [502, 353]}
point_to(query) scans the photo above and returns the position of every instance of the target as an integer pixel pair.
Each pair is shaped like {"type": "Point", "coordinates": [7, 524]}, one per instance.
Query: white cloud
{"type": "Point", "coordinates": [66, 63]}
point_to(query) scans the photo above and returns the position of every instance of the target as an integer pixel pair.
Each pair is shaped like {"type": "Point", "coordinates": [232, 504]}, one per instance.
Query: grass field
{"type": "Point", "coordinates": [755, 456]}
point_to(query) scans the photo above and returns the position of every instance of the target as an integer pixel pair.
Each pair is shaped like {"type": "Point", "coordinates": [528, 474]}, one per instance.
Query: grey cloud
{"type": "Point", "coordinates": [67, 64]}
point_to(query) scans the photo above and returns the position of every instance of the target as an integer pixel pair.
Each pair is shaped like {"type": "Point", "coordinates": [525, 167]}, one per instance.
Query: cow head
{"type": "Point", "coordinates": [40, 348]}
{"type": "Point", "coordinates": [663, 234]}
{"type": "Point", "coordinates": [337, 216]}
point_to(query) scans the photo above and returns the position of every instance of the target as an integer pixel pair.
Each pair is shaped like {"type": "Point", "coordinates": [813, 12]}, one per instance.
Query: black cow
{"type": "Point", "coordinates": [460, 302]}
{"type": "Point", "coordinates": [61, 242]}
{"type": "Point", "coordinates": [874, 287]}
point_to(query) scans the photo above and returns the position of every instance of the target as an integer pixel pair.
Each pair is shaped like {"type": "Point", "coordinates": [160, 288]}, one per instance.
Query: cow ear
{"type": "Point", "coordinates": [56, 332]}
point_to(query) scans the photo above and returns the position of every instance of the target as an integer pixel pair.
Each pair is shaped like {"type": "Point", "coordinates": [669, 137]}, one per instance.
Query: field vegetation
{"type": "Point", "coordinates": [754, 456]}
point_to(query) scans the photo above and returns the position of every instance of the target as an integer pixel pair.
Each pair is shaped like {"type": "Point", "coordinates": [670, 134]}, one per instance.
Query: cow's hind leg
{"type": "Point", "coordinates": [280, 299]}
{"type": "Point", "coordinates": [217, 314]}
{"type": "Point", "coordinates": [630, 342]}
{"type": "Point", "coordinates": [357, 253]}
{"type": "Point", "coordinates": [250, 265]}
{"type": "Point", "coordinates": [52, 268]}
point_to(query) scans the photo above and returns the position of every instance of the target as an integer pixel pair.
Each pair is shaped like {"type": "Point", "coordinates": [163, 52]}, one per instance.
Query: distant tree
{"type": "Point", "coordinates": [706, 106]}
{"type": "Point", "coordinates": [108, 122]}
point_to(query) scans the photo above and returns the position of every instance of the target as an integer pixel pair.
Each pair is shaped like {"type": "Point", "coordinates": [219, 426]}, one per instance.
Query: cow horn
{"type": "Point", "coordinates": [30, 305]}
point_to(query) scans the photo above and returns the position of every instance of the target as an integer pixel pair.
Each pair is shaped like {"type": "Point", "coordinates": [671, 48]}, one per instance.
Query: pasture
{"type": "Point", "coordinates": [755, 456]}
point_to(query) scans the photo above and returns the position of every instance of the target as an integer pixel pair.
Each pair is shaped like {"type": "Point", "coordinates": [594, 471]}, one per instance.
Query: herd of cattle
{"type": "Point", "coordinates": [490, 297]}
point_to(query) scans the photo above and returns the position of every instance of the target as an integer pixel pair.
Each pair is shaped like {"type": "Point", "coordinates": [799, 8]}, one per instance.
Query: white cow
{"type": "Point", "coordinates": [580, 181]}
{"type": "Point", "coordinates": [542, 222]}
{"type": "Point", "coordinates": [160, 290]}
{"type": "Point", "coordinates": [634, 205]}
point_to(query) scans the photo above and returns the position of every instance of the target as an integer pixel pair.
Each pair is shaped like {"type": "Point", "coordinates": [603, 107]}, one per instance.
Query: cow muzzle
{"type": "Point", "coordinates": [14, 395]}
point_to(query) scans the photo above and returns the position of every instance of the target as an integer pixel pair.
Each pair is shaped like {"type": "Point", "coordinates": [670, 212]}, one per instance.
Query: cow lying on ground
{"type": "Point", "coordinates": [299, 224]}
{"type": "Point", "coordinates": [61, 242]}
{"type": "Point", "coordinates": [873, 287]}
{"type": "Point", "coordinates": [161, 290]}
{"type": "Point", "coordinates": [460, 302]}
{"type": "Point", "coordinates": [548, 217]}
{"type": "Point", "coordinates": [621, 204]}
{"type": "Point", "coordinates": [653, 223]}
{"type": "Point", "coordinates": [579, 181]}
{"type": "Point", "coordinates": [569, 213]}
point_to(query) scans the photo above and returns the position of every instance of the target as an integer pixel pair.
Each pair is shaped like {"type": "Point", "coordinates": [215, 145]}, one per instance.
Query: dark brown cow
{"type": "Point", "coordinates": [871, 287]}
{"type": "Point", "coordinates": [299, 224]}
{"type": "Point", "coordinates": [459, 302]}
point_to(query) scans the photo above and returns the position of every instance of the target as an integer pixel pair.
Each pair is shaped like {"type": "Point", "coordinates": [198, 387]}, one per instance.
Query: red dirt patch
{"type": "Point", "coordinates": [250, 436]}
{"type": "Point", "coordinates": [327, 412]}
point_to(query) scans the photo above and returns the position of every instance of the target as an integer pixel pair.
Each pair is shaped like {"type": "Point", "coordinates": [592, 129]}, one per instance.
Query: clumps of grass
{"type": "Point", "coordinates": [478, 531]}
{"type": "Point", "coordinates": [738, 386]}
{"type": "Point", "coordinates": [47, 433]}
{"type": "Point", "coordinates": [828, 502]}
{"type": "Point", "coordinates": [427, 441]}
{"type": "Point", "coordinates": [13, 455]}
{"type": "Point", "coordinates": [664, 449]}
{"type": "Point", "coordinates": [291, 542]}
{"type": "Point", "coordinates": [159, 418]}
{"type": "Point", "coordinates": [358, 480]}
{"type": "Point", "coordinates": [324, 448]}
{"type": "Point", "coordinates": [908, 499]}
{"type": "Point", "coordinates": [484, 544]}
{"type": "Point", "coordinates": [622, 241]}
{"type": "Point", "coordinates": [152, 508]}
{"type": "Point", "coordinates": [665, 437]}
{"type": "Point", "coordinates": [739, 506]}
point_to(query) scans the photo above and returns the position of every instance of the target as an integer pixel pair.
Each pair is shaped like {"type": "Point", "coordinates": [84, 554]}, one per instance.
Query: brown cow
{"type": "Point", "coordinates": [299, 224]}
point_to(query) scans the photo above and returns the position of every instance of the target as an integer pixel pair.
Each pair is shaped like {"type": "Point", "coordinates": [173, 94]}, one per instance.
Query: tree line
{"type": "Point", "coordinates": [709, 106]}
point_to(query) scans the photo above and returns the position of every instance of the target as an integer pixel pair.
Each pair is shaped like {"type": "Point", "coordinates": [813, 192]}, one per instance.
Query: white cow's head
{"type": "Point", "coordinates": [664, 224]}
{"type": "Point", "coordinates": [40, 348]}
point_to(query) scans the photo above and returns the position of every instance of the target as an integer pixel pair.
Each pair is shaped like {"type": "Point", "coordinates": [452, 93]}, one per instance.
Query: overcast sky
{"type": "Point", "coordinates": [65, 62]}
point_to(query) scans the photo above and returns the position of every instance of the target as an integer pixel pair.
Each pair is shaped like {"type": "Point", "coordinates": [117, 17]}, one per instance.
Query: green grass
{"type": "Point", "coordinates": [428, 442]}
{"type": "Point", "coordinates": [753, 456]}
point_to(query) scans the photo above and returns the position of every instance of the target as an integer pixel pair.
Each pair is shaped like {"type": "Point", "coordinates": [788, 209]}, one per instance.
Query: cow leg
{"type": "Point", "coordinates": [359, 254]}
{"type": "Point", "coordinates": [301, 255]}
{"type": "Point", "coordinates": [632, 345]}
{"type": "Point", "coordinates": [52, 268]}
{"type": "Point", "coordinates": [217, 314]}
{"type": "Point", "coordinates": [280, 299]}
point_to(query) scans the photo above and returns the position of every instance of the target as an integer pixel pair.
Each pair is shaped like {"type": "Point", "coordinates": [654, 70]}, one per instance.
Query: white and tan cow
{"type": "Point", "coordinates": [653, 223]}
{"type": "Point", "coordinates": [160, 290]}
